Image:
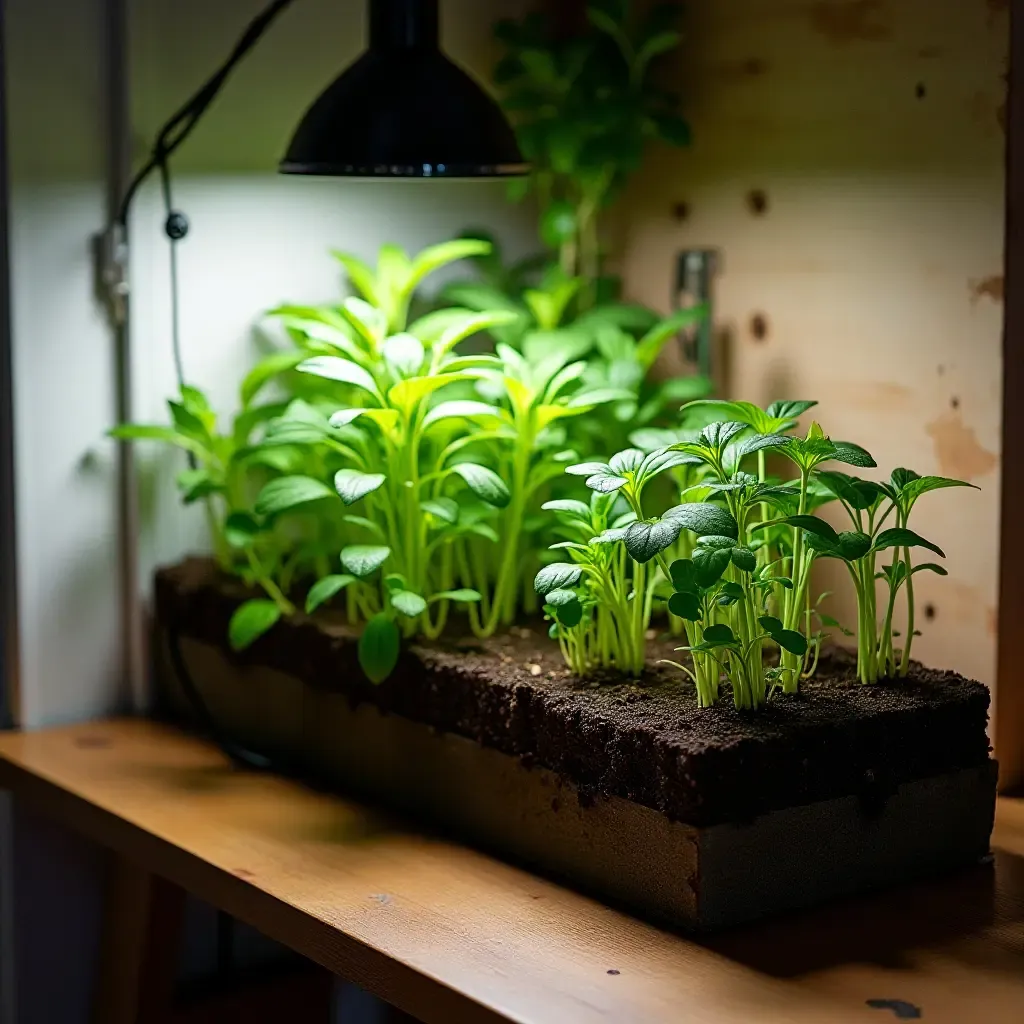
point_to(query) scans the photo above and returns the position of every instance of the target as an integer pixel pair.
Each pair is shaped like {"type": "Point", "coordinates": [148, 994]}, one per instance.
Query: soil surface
{"type": "Point", "coordinates": [645, 741]}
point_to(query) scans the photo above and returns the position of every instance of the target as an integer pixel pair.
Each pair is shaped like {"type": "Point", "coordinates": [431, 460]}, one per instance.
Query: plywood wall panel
{"type": "Point", "coordinates": [873, 131]}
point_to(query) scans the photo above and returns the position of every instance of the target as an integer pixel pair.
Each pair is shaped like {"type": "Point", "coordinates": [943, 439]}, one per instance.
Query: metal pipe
{"type": "Point", "coordinates": [10, 659]}
{"type": "Point", "coordinates": [133, 681]}
{"type": "Point", "coordinates": [695, 273]}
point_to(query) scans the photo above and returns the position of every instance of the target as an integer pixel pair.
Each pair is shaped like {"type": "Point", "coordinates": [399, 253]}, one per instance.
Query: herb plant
{"type": "Point", "coordinates": [586, 105]}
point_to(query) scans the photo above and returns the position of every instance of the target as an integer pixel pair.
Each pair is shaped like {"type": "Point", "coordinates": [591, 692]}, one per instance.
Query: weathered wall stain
{"type": "Point", "coordinates": [848, 21]}
{"type": "Point", "coordinates": [991, 287]}
{"type": "Point", "coordinates": [880, 395]}
{"type": "Point", "coordinates": [957, 448]}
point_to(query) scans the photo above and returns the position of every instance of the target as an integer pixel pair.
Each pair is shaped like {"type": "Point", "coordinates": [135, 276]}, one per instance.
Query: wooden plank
{"type": "Point", "coordinates": [448, 935]}
{"type": "Point", "coordinates": [870, 134]}
{"type": "Point", "coordinates": [1009, 738]}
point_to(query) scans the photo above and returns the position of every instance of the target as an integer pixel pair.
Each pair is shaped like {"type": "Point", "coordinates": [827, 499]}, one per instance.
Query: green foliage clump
{"type": "Point", "coordinates": [586, 105]}
{"type": "Point", "coordinates": [399, 469]}
{"type": "Point", "coordinates": [743, 587]}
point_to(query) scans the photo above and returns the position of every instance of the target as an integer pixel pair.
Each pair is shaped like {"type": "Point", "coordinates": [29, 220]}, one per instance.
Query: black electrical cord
{"type": "Point", "coordinates": [176, 227]}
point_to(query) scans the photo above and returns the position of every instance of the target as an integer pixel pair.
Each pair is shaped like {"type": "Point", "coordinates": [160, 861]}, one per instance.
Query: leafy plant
{"type": "Point", "coordinates": [586, 105]}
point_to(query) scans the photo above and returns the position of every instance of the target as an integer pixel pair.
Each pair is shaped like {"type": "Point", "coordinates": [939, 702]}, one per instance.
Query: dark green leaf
{"type": "Point", "coordinates": [710, 563]}
{"type": "Point", "coordinates": [704, 519]}
{"type": "Point", "coordinates": [852, 455]}
{"type": "Point", "coordinates": [684, 576]}
{"type": "Point", "coordinates": [902, 538]}
{"type": "Point", "coordinates": [240, 529]}
{"type": "Point", "coordinates": [685, 605]}
{"type": "Point", "coordinates": [930, 567]}
{"type": "Point", "coordinates": [854, 545]}
{"type": "Point", "coordinates": [858, 494]}
{"type": "Point", "coordinates": [743, 558]}
{"type": "Point", "coordinates": [719, 634]}
{"type": "Point", "coordinates": [379, 647]}
{"type": "Point", "coordinates": [771, 624]}
{"type": "Point", "coordinates": [323, 590]}
{"type": "Point", "coordinates": [645, 540]}
{"type": "Point", "coordinates": [250, 622]}
{"type": "Point", "coordinates": [792, 641]}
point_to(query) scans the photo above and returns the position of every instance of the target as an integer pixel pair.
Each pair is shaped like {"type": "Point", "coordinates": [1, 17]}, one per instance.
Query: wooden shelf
{"type": "Point", "coordinates": [450, 935]}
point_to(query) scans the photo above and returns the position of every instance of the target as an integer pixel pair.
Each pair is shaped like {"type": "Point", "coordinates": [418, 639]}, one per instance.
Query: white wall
{"type": "Point", "coordinates": [257, 237]}
{"type": "Point", "coordinates": [62, 369]}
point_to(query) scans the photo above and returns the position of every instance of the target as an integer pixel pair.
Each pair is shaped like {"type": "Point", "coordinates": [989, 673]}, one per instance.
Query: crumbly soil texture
{"type": "Point", "coordinates": [646, 741]}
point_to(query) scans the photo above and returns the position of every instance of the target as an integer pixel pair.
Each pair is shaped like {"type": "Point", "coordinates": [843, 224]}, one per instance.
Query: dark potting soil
{"type": "Point", "coordinates": [646, 741]}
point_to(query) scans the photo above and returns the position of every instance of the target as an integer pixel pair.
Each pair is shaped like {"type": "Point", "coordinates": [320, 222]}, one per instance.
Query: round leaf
{"type": "Point", "coordinates": [408, 603]}
{"type": "Point", "coordinates": [363, 560]}
{"type": "Point", "coordinates": [685, 605]}
{"type": "Point", "coordinates": [352, 484]}
{"type": "Point", "coordinates": [684, 576]}
{"type": "Point", "coordinates": [719, 634]}
{"type": "Point", "coordinates": [250, 622]}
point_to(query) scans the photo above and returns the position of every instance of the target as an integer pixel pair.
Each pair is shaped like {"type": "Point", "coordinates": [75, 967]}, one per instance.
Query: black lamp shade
{"type": "Point", "coordinates": [404, 110]}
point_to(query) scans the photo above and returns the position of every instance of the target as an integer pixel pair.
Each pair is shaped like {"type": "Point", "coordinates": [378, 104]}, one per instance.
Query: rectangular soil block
{"type": "Point", "coordinates": [697, 818]}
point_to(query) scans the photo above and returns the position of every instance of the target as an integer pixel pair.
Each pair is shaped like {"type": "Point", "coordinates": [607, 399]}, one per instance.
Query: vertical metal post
{"type": "Point", "coordinates": [9, 645]}
{"type": "Point", "coordinates": [694, 287]}
{"type": "Point", "coordinates": [118, 126]}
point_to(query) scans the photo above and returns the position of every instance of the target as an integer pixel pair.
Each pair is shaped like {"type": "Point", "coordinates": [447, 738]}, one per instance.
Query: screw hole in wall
{"type": "Point", "coordinates": [759, 326]}
{"type": "Point", "coordinates": [920, 90]}
{"type": "Point", "coordinates": [954, 402]}
{"type": "Point", "coordinates": [757, 200]}
{"type": "Point", "coordinates": [680, 211]}
{"type": "Point", "coordinates": [929, 612]}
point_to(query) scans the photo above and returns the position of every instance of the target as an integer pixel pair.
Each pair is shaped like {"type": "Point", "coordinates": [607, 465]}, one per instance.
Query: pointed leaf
{"type": "Point", "coordinates": [352, 484]}
{"type": "Point", "coordinates": [461, 409]}
{"type": "Point", "coordinates": [323, 590]}
{"type": "Point", "coordinates": [645, 540]}
{"type": "Point", "coordinates": [289, 492]}
{"type": "Point", "coordinates": [463, 596]}
{"type": "Point", "coordinates": [704, 519]}
{"type": "Point", "coordinates": [902, 538]}
{"type": "Point", "coordinates": [445, 509]}
{"type": "Point", "coordinates": [250, 621]}
{"type": "Point", "coordinates": [342, 370]}
{"type": "Point", "coordinates": [484, 483]}
{"type": "Point", "coordinates": [557, 576]}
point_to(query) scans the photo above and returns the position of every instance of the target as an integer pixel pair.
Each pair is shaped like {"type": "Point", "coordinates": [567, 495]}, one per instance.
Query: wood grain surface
{"type": "Point", "coordinates": [449, 935]}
